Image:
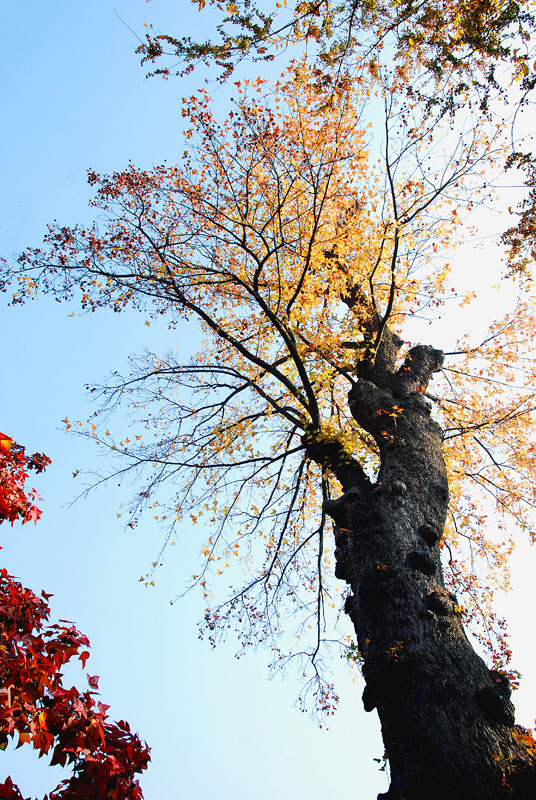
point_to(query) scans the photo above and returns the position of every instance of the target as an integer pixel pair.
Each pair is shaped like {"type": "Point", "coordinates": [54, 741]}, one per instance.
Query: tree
{"type": "Point", "coordinates": [303, 260]}
{"type": "Point", "coordinates": [34, 705]}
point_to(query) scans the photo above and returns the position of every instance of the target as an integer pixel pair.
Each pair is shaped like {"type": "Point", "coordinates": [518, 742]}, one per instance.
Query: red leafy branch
{"type": "Point", "coordinates": [15, 503]}
{"type": "Point", "coordinates": [34, 705]}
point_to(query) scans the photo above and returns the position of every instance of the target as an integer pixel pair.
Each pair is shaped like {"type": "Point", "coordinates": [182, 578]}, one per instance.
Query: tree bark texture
{"type": "Point", "coordinates": [447, 720]}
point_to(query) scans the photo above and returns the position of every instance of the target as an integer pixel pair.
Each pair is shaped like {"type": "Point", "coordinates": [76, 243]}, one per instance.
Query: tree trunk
{"type": "Point", "coordinates": [447, 720]}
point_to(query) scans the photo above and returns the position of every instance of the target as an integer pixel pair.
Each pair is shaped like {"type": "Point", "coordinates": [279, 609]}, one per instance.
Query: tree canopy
{"type": "Point", "coordinates": [301, 257]}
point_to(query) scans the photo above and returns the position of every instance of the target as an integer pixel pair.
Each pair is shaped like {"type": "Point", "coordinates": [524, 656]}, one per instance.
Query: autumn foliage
{"type": "Point", "coordinates": [35, 707]}
{"type": "Point", "coordinates": [15, 503]}
{"type": "Point", "coordinates": [285, 240]}
{"type": "Point", "coordinates": [445, 36]}
{"type": "Point", "coordinates": [306, 243]}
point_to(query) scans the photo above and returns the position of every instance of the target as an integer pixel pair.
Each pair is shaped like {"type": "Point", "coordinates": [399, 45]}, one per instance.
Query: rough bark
{"type": "Point", "coordinates": [447, 720]}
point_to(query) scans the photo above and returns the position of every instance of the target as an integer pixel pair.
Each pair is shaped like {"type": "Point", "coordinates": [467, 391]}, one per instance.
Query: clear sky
{"type": "Point", "coordinates": [74, 97]}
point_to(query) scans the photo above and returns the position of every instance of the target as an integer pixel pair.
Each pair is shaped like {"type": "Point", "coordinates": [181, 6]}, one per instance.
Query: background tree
{"type": "Point", "coordinates": [34, 705]}
{"type": "Point", "coordinates": [303, 262]}
{"type": "Point", "coordinates": [468, 39]}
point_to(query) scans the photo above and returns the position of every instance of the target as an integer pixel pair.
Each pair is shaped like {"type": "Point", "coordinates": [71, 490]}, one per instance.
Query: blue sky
{"type": "Point", "coordinates": [75, 97]}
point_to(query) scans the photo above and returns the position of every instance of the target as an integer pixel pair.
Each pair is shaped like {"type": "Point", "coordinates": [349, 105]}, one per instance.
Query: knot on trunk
{"type": "Point", "coordinates": [493, 703]}
{"type": "Point", "coordinates": [369, 699]}
{"type": "Point", "coordinates": [350, 605]}
{"type": "Point", "coordinates": [502, 682]}
{"type": "Point", "coordinates": [430, 534]}
{"type": "Point", "coordinates": [494, 700]}
{"type": "Point", "coordinates": [415, 373]}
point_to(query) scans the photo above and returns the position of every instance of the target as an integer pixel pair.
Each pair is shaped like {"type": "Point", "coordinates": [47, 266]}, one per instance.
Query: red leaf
{"type": "Point", "coordinates": [84, 655]}
{"type": "Point", "coordinates": [93, 681]}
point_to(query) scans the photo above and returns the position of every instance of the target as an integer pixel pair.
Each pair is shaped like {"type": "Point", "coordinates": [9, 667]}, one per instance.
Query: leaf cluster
{"type": "Point", "coordinates": [441, 36]}
{"type": "Point", "coordinates": [35, 707]}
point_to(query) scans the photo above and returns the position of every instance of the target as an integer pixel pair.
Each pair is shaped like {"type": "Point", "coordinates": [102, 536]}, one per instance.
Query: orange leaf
{"type": "Point", "coordinates": [5, 443]}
